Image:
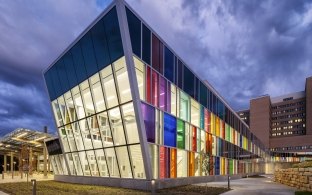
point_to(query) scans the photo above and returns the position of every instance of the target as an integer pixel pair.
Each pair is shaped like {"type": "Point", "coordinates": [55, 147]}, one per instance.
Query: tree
{"type": "Point", "coordinates": [207, 164]}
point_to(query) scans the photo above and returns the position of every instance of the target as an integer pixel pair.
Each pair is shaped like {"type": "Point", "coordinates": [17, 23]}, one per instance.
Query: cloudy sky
{"type": "Point", "coordinates": [243, 48]}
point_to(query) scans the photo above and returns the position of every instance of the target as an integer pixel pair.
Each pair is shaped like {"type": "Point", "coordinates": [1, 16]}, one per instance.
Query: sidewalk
{"type": "Point", "coordinates": [17, 178]}
{"type": "Point", "coordinates": [254, 186]}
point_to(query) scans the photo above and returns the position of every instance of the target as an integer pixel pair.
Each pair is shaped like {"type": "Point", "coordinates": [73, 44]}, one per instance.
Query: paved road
{"type": "Point", "coordinates": [255, 186]}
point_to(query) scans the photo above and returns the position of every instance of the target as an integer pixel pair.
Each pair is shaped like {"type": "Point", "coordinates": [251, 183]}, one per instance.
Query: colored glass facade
{"type": "Point", "coordinates": [163, 131]}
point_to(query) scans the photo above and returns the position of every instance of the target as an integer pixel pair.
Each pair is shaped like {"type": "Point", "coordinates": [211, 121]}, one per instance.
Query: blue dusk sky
{"type": "Point", "coordinates": [244, 48]}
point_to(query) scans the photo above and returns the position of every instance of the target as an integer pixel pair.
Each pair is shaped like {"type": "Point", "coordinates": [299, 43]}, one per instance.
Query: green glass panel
{"type": "Point", "coordinates": [181, 134]}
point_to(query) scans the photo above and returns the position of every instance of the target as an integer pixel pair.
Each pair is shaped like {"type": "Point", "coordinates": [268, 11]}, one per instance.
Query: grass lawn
{"type": "Point", "coordinates": [56, 188]}
{"type": "Point", "coordinates": [303, 193]}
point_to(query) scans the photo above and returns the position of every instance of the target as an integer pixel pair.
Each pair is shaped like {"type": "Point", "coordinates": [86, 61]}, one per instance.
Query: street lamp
{"type": "Point", "coordinates": [8, 166]}
{"type": "Point", "coordinates": [14, 166]}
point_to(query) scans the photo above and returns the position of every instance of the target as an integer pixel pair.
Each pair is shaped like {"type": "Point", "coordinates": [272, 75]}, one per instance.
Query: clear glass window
{"type": "Point", "coordinates": [78, 103]}
{"type": "Point", "coordinates": [92, 163]}
{"type": "Point", "coordinates": [97, 93]}
{"type": "Point", "coordinates": [105, 130]}
{"type": "Point", "coordinates": [173, 100]}
{"type": "Point", "coordinates": [181, 163]}
{"type": "Point", "coordinates": [77, 136]}
{"type": "Point", "coordinates": [112, 162]}
{"type": "Point", "coordinates": [137, 161]}
{"type": "Point", "coordinates": [94, 132]}
{"type": "Point", "coordinates": [130, 123]}
{"type": "Point", "coordinates": [71, 164]}
{"type": "Point", "coordinates": [101, 163]}
{"type": "Point", "coordinates": [85, 133]}
{"type": "Point", "coordinates": [139, 70]}
{"type": "Point", "coordinates": [122, 80]}
{"type": "Point", "coordinates": [57, 113]}
{"type": "Point", "coordinates": [70, 137]}
{"type": "Point", "coordinates": [70, 107]}
{"type": "Point", "coordinates": [184, 106]}
{"type": "Point", "coordinates": [117, 126]}
{"type": "Point", "coordinates": [63, 138]}
{"type": "Point", "coordinates": [87, 98]}
{"type": "Point", "coordinates": [77, 163]}
{"type": "Point", "coordinates": [109, 87]}
{"type": "Point", "coordinates": [195, 113]}
{"type": "Point", "coordinates": [63, 110]}
{"type": "Point", "coordinates": [84, 163]}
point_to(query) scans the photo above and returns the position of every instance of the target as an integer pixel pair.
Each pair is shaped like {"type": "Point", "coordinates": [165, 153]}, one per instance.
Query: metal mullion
{"type": "Point", "coordinates": [125, 36]}
{"type": "Point", "coordinates": [126, 137]}
{"type": "Point", "coordinates": [120, 110]}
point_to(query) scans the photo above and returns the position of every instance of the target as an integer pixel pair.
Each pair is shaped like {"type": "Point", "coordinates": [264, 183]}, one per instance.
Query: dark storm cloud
{"type": "Point", "coordinates": [244, 49]}
{"type": "Point", "coordinates": [33, 34]}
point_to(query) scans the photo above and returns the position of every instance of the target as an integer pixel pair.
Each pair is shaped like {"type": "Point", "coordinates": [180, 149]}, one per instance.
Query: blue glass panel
{"type": "Point", "coordinates": [62, 75]}
{"type": "Point", "coordinates": [217, 165]}
{"type": "Point", "coordinates": [135, 32]}
{"type": "Point", "coordinates": [148, 113]}
{"type": "Point", "coordinates": [56, 81]}
{"type": "Point", "coordinates": [88, 54]}
{"type": "Point", "coordinates": [146, 50]}
{"type": "Point", "coordinates": [49, 83]}
{"type": "Point", "coordinates": [113, 36]}
{"type": "Point", "coordinates": [70, 69]}
{"type": "Point", "coordinates": [188, 81]}
{"type": "Point", "coordinates": [203, 95]}
{"type": "Point", "coordinates": [79, 63]}
{"type": "Point", "coordinates": [170, 130]}
{"type": "Point", "coordinates": [169, 65]}
{"type": "Point", "coordinates": [180, 74]}
{"type": "Point", "coordinates": [100, 45]}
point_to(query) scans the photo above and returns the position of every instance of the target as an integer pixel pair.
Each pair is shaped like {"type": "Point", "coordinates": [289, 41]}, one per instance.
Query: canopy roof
{"type": "Point", "coordinates": [13, 141]}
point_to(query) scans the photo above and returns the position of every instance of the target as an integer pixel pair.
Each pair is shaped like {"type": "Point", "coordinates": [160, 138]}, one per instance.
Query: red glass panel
{"type": "Point", "coordinates": [154, 88]}
{"type": "Point", "coordinates": [148, 85]}
{"type": "Point", "coordinates": [155, 52]}
{"type": "Point", "coordinates": [194, 138]}
{"type": "Point", "coordinates": [161, 57]}
{"type": "Point", "coordinates": [162, 165]}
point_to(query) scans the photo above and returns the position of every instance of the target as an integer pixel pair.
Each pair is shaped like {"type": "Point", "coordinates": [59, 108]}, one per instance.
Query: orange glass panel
{"type": "Point", "coordinates": [173, 163]}
{"type": "Point", "coordinates": [191, 164]}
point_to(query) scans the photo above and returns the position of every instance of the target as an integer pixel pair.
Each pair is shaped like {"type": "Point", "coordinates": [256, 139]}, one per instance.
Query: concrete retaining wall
{"type": "Point", "coordinates": [142, 184]}
{"type": "Point", "coordinates": [300, 178]}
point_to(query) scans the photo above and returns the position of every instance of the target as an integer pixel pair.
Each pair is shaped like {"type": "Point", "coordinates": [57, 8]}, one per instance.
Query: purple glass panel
{"type": "Point", "coordinates": [148, 113]}
{"type": "Point", "coordinates": [162, 93]}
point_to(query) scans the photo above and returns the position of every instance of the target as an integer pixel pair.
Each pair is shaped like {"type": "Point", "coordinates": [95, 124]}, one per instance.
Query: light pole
{"type": "Point", "coordinates": [3, 172]}
{"type": "Point", "coordinates": [8, 166]}
{"type": "Point", "coordinates": [13, 169]}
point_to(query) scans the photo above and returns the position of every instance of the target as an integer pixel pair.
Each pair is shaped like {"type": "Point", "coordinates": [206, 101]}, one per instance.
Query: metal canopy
{"type": "Point", "coordinates": [13, 141]}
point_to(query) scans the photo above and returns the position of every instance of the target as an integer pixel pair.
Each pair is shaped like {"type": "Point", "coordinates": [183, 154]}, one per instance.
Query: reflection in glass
{"type": "Point", "coordinates": [139, 70]}
{"type": "Point", "coordinates": [57, 113]}
{"type": "Point", "coordinates": [112, 162]}
{"type": "Point", "coordinates": [109, 87]}
{"type": "Point", "coordinates": [137, 161]}
{"type": "Point", "coordinates": [117, 126]}
{"type": "Point", "coordinates": [94, 131]}
{"type": "Point", "coordinates": [130, 123]}
{"type": "Point", "coordinates": [84, 163]}
{"type": "Point", "coordinates": [85, 133]}
{"type": "Point", "coordinates": [97, 93]}
{"type": "Point", "coordinates": [122, 80]}
{"type": "Point", "coordinates": [92, 163]}
{"type": "Point", "coordinates": [123, 160]}
{"type": "Point", "coordinates": [78, 103]}
{"type": "Point", "coordinates": [101, 163]}
{"type": "Point", "coordinates": [105, 129]}
{"type": "Point", "coordinates": [63, 138]}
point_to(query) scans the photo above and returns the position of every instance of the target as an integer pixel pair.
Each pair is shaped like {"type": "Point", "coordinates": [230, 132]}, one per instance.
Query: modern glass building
{"type": "Point", "coordinates": [129, 111]}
